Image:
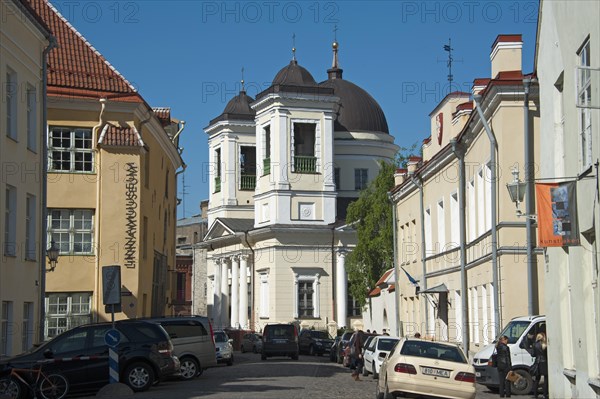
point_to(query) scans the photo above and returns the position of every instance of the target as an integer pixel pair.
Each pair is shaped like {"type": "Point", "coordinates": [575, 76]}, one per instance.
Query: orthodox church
{"type": "Point", "coordinates": [285, 166]}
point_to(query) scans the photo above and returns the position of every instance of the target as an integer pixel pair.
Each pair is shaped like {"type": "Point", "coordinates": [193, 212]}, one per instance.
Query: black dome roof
{"type": "Point", "coordinates": [238, 108]}
{"type": "Point", "coordinates": [357, 111]}
{"type": "Point", "coordinates": [294, 75]}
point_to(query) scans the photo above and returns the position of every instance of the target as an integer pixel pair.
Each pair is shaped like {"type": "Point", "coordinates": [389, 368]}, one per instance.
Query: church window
{"type": "Point", "coordinates": [306, 296]}
{"type": "Point", "coordinates": [247, 168]}
{"type": "Point", "coordinates": [305, 299]}
{"type": "Point", "coordinates": [267, 150]}
{"type": "Point", "coordinates": [304, 135]}
{"type": "Point", "coordinates": [336, 178]}
{"type": "Point", "coordinates": [217, 170]}
{"type": "Point", "coordinates": [360, 178]}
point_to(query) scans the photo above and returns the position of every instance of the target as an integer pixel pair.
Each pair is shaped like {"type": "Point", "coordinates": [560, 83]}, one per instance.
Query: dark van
{"type": "Point", "coordinates": [280, 340]}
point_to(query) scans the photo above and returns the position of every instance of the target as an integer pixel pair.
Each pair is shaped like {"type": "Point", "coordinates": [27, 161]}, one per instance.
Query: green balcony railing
{"type": "Point", "coordinates": [266, 166]}
{"type": "Point", "coordinates": [217, 184]}
{"type": "Point", "coordinates": [248, 182]}
{"type": "Point", "coordinates": [304, 164]}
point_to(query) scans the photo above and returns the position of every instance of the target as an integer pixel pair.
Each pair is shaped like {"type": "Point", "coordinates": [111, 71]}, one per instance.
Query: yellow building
{"type": "Point", "coordinates": [24, 42]}
{"type": "Point", "coordinates": [471, 281]}
{"type": "Point", "coordinates": [112, 163]}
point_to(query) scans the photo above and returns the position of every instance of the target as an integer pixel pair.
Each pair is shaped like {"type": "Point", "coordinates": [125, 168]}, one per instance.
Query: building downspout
{"type": "Point", "coordinates": [95, 130]}
{"type": "Point", "coordinates": [399, 330]}
{"type": "Point", "coordinates": [251, 280]}
{"type": "Point", "coordinates": [460, 155]}
{"type": "Point", "coordinates": [529, 198]}
{"type": "Point", "coordinates": [494, 216]}
{"type": "Point", "coordinates": [52, 44]}
{"type": "Point", "coordinates": [417, 182]}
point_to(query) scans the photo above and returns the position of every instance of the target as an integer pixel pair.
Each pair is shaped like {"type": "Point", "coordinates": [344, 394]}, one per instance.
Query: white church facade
{"type": "Point", "coordinates": [285, 166]}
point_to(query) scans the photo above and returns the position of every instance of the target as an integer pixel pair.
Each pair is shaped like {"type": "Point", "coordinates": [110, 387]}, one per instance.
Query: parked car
{"type": "Point", "coordinates": [347, 359]}
{"type": "Point", "coordinates": [193, 343]}
{"type": "Point", "coordinates": [280, 340]}
{"type": "Point", "coordinates": [419, 367]}
{"type": "Point", "coordinates": [378, 349]}
{"type": "Point", "coordinates": [333, 349]}
{"type": "Point", "coordinates": [517, 330]}
{"type": "Point", "coordinates": [223, 347]}
{"type": "Point", "coordinates": [81, 356]}
{"type": "Point", "coordinates": [251, 342]}
{"type": "Point", "coordinates": [341, 347]}
{"type": "Point", "coordinates": [314, 342]}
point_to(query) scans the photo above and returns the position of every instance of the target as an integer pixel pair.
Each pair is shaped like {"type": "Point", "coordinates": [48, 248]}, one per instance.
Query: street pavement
{"type": "Point", "coordinates": [282, 378]}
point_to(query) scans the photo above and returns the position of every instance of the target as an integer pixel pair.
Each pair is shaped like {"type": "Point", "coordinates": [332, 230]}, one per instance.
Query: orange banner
{"type": "Point", "coordinates": [557, 214]}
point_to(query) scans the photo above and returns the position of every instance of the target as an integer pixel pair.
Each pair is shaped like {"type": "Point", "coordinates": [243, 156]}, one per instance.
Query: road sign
{"type": "Point", "coordinates": [111, 284]}
{"type": "Point", "coordinates": [112, 337]}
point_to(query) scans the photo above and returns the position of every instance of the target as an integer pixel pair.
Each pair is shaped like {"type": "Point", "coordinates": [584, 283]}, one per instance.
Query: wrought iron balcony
{"type": "Point", "coordinates": [305, 164]}
{"type": "Point", "coordinates": [248, 182]}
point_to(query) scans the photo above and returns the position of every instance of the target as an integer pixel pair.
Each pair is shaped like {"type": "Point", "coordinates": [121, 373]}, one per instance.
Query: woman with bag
{"type": "Point", "coordinates": [356, 346]}
{"type": "Point", "coordinates": [504, 366]}
{"type": "Point", "coordinates": [540, 352]}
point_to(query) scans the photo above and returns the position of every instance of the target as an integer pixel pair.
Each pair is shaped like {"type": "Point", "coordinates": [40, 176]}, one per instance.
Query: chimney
{"type": "Point", "coordinates": [400, 176]}
{"type": "Point", "coordinates": [506, 54]}
{"type": "Point", "coordinates": [412, 164]}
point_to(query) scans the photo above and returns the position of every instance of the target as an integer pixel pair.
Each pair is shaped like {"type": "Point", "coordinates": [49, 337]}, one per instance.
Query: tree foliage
{"type": "Point", "coordinates": [372, 218]}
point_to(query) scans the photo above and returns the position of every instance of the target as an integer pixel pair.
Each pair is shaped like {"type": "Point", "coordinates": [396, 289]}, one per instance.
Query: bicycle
{"type": "Point", "coordinates": [52, 386]}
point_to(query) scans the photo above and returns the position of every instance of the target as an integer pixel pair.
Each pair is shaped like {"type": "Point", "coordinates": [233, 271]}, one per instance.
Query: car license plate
{"type": "Point", "coordinates": [477, 374]}
{"type": "Point", "coordinates": [435, 372]}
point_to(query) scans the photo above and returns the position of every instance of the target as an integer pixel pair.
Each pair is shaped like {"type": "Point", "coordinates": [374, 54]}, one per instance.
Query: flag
{"type": "Point", "coordinates": [410, 278]}
{"type": "Point", "coordinates": [557, 214]}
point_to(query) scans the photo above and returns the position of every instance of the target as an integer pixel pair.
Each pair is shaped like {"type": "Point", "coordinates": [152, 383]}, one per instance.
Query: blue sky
{"type": "Point", "coordinates": [188, 55]}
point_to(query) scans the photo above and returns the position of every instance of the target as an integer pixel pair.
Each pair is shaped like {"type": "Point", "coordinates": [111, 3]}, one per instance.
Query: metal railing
{"type": "Point", "coordinates": [248, 182]}
{"type": "Point", "coordinates": [305, 164]}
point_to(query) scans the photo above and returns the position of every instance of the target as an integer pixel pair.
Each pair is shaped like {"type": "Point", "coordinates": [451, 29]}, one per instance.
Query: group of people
{"type": "Point", "coordinates": [539, 369]}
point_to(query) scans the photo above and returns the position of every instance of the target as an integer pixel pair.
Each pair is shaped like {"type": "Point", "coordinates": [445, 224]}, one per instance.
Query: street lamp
{"type": "Point", "coordinates": [516, 190]}
{"type": "Point", "coordinates": [52, 254]}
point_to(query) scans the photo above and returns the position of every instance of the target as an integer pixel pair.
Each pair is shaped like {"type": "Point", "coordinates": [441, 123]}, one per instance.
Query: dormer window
{"type": "Point", "coordinates": [304, 154]}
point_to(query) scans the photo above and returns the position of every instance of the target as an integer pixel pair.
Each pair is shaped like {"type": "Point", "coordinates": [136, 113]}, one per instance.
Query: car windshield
{"type": "Point", "coordinates": [319, 334]}
{"type": "Point", "coordinates": [220, 337]}
{"type": "Point", "coordinates": [386, 344]}
{"type": "Point", "coordinates": [514, 330]}
{"type": "Point", "coordinates": [433, 350]}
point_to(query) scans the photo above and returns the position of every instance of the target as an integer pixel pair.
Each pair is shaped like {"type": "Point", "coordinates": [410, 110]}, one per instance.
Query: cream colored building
{"type": "Point", "coordinates": [286, 166]}
{"type": "Point", "coordinates": [24, 43]}
{"type": "Point", "coordinates": [460, 299]}
{"type": "Point", "coordinates": [112, 163]}
{"type": "Point", "coordinates": [568, 65]}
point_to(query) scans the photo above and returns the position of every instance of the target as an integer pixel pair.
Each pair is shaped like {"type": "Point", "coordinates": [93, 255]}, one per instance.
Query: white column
{"type": "Point", "coordinates": [225, 293]}
{"type": "Point", "coordinates": [216, 310]}
{"type": "Point", "coordinates": [243, 311]}
{"type": "Point", "coordinates": [341, 288]}
{"type": "Point", "coordinates": [235, 290]}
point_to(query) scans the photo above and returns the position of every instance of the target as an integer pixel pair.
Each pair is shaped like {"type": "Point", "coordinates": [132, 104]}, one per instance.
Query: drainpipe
{"type": "Point", "coordinates": [399, 330]}
{"type": "Point", "coordinates": [460, 155]}
{"type": "Point", "coordinates": [95, 132]}
{"type": "Point", "coordinates": [529, 198]}
{"type": "Point", "coordinates": [494, 194]}
{"type": "Point", "coordinates": [52, 44]}
{"type": "Point", "coordinates": [251, 280]}
{"type": "Point", "coordinates": [417, 182]}
{"type": "Point", "coordinates": [173, 140]}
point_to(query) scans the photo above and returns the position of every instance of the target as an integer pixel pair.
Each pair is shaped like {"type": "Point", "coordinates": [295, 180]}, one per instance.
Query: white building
{"type": "Point", "coordinates": [568, 67]}
{"type": "Point", "coordinates": [286, 166]}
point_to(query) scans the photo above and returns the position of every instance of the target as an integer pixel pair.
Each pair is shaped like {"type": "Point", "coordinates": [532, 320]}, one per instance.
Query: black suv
{"type": "Point", "coordinates": [81, 356]}
{"type": "Point", "coordinates": [314, 342]}
{"type": "Point", "coordinates": [280, 340]}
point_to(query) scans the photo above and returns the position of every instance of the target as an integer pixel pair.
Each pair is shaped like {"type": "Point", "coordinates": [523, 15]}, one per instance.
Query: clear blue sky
{"type": "Point", "coordinates": [188, 54]}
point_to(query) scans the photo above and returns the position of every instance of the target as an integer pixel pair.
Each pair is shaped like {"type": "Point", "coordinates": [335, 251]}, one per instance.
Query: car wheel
{"type": "Point", "coordinates": [254, 349]}
{"type": "Point", "coordinates": [378, 393]}
{"type": "Point", "coordinates": [523, 385]}
{"type": "Point", "coordinates": [242, 349]}
{"type": "Point", "coordinates": [365, 372]}
{"type": "Point", "coordinates": [375, 373]}
{"type": "Point", "coordinates": [295, 356]}
{"type": "Point", "coordinates": [387, 394]}
{"type": "Point", "coordinates": [230, 361]}
{"type": "Point", "coordinates": [10, 388]}
{"type": "Point", "coordinates": [263, 357]}
{"type": "Point", "coordinates": [189, 368]}
{"type": "Point", "coordinates": [139, 376]}
{"type": "Point", "coordinates": [311, 350]}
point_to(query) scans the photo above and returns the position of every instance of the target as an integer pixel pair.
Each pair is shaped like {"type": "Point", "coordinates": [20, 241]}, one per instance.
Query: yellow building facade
{"type": "Point", "coordinates": [24, 42]}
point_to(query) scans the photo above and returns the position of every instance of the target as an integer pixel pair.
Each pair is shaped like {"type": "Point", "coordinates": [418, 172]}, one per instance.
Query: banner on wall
{"type": "Point", "coordinates": [557, 214]}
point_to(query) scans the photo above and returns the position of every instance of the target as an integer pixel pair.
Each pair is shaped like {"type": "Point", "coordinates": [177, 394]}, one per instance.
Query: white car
{"type": "Point", "coordinates": [427, 368]}
{"type": "Point", "coordinates": [375, 352]}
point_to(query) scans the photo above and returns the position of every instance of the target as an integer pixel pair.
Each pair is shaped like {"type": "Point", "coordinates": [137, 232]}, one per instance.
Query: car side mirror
{"type": "Point", "coordinates": [48, 354]}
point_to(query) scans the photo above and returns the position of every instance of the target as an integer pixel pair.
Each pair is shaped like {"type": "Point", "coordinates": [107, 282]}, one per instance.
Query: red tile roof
{"type": "Point", "coordinates": [120, 136]}
{"type": "Point", "coordinates": [380, 284]}
{"type": "Point", "coordinates": [163, 114]}
{"type": "Point", "coordinates": [76, 68]}
{"type": "Point", "coordinates": [507, 38]}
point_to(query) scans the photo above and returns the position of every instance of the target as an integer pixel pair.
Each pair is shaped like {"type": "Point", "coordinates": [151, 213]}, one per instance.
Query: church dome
{"type": "Point", "coordinates": [357, 110]}
{"type": "Point", "coordinates": [294, 75]}
{"type": "Point", "coordinates": [238, 108]}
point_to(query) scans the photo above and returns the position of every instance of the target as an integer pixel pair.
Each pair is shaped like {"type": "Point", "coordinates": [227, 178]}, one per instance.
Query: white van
{"type": "Point", "coordinates": [517, 331]}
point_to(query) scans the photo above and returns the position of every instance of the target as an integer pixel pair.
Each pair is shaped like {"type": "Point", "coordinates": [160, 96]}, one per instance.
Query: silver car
{"type": "Point", "coordinates": [223, 347]}
{"type": "Point", "coordinates": [251, 342]}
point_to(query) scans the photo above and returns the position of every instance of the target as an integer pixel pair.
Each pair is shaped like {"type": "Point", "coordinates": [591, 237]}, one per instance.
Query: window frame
{"type": "Point", "coordinates": [71, 231]}
{"type": "Point", "coordinates": [30, 227]}
{"type": "Point", "coordinates": [316, 300]}
{"type": "Point", "coordinates": [11, 94]}
{"type": "Point", "coordinates": [72, 150]}
{"type": "Point", "coordinates": [10, 221]}
{"type": "Point", "coordinates": [361, 182]}
{"type": "Point", "coordinates": [584, 89]}
{"type": "Point", "coordinates": [71, 318]}
{"type": "Point", "coordinates": [32, 121]}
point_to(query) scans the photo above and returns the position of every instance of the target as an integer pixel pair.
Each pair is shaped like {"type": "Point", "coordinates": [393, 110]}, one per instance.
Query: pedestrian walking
{"type": "Point", "coordinates": [504, 365]}
{"type": "Point", "coordinates": [356, 347]}
{"type": "Point", "coordinates": [540, 366]}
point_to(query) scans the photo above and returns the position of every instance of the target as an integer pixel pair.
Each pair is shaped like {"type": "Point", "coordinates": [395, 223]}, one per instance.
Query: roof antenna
{"type": "Point", "coordinates": [294, 47]}
{"type": "Point", "coordinates": [448, 48]}
{"type": "Point", "coordinates": [242, 81]}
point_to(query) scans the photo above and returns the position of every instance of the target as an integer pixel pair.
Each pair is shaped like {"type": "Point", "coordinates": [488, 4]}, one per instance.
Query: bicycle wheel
{"type": "Point", "coordinates": [10, 387]}
{"type": "Point", "coordinates": [54, 386]}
